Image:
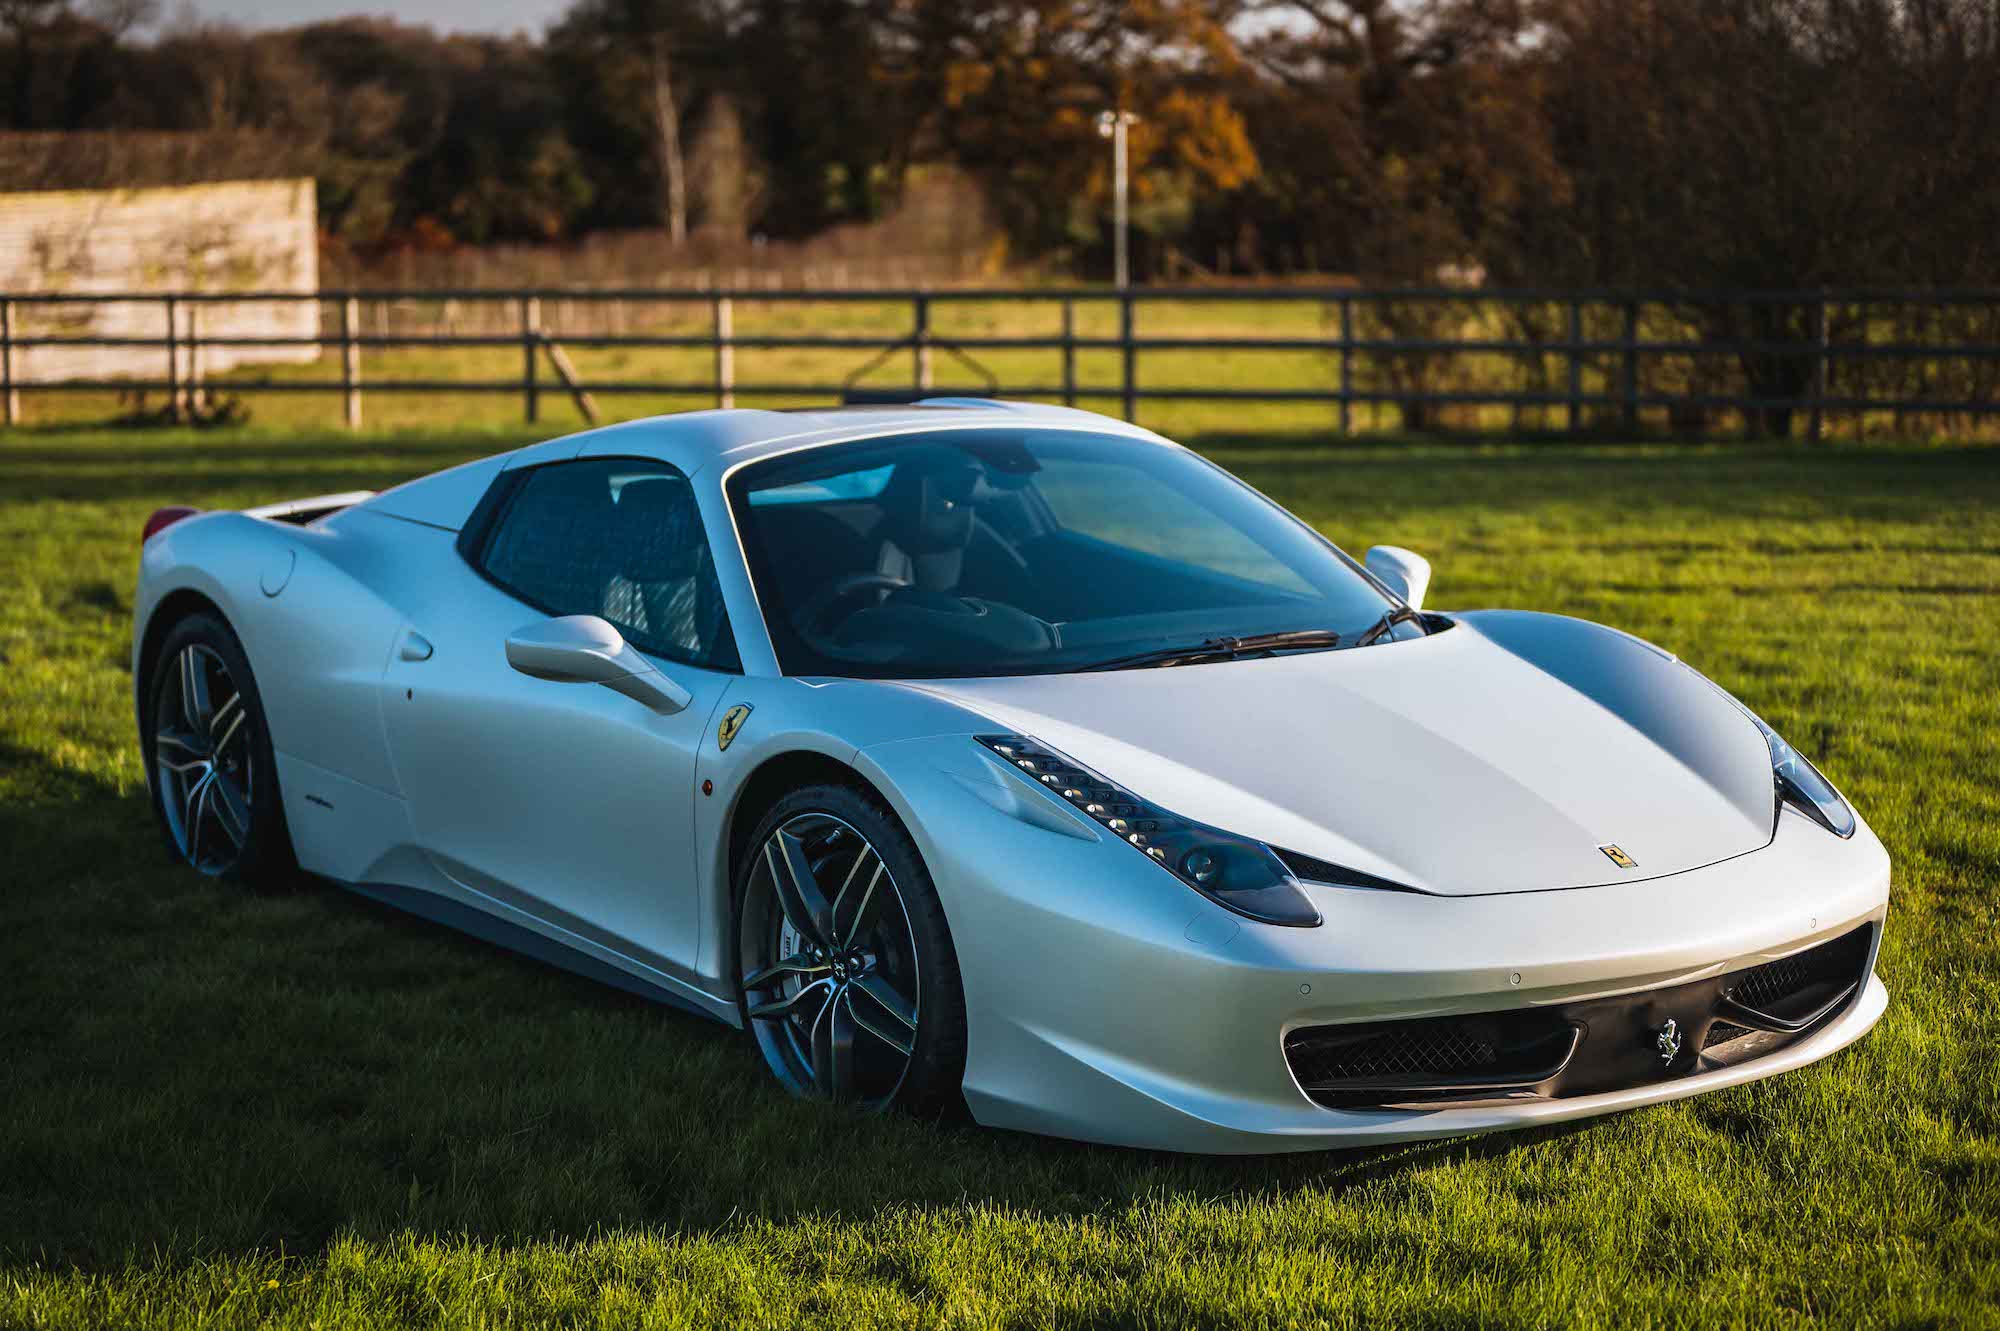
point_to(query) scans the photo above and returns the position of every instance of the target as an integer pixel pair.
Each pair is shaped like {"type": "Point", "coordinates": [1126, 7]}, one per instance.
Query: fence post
{"type": "Point", "coordinates": [1346, 366]}
{"type": "Point", "coordinates": [1069, 351]}
{"type": "Point", "coordinates": [531, 326]}
{"type": "Point", "coordinates": [1575, 366]}
{"type": "Point", "coordinates": [173, 357]}
{"type": "Point", "coordinates": [1129, 354]}
{"type": "Point", "coordinates": [196, 397]}
{"type": "Point", "coordinates": [920, 340]}
{"type": "Point", "coordinates": [1816, 419]}
{"type": "Point", "coordinates": [10, 397]}
{"type": "Point", "coordinates": [350, 362]}
{"type": "Point", "coordinates": [1630, 387]}
{"type": "Point", "coordinates": [724, 312]}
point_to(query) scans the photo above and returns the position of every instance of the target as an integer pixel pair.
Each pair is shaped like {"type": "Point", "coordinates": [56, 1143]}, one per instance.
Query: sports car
{"type": "Point", "coordinates": [987, 756]}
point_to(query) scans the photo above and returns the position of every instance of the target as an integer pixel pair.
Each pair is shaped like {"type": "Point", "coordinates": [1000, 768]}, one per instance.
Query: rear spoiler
{"type": "Point", "coordinates": [298, 512]}
{"type": "Point", "coordinates": [302, 511]}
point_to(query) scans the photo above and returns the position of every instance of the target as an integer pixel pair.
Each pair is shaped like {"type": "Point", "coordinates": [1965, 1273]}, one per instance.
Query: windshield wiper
{"type": "Point", "coordinates": [1391, 617]}
{"type": "Point", "coordinates": [1222, 649]}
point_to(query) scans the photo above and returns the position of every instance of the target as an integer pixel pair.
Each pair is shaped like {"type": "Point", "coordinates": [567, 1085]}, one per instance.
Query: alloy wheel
{"type": "Point", "coordinates": [203, 759]}
{"type": "Point", "coordinates": [829, 963]}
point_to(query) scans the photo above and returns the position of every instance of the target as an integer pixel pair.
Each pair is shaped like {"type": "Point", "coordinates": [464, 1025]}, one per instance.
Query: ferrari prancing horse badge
{"type": "Point", "coordinates": [732, 721]}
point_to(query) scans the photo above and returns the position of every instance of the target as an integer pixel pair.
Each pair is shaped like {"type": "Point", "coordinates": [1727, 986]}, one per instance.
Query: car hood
{"type": "Point", "coordinates": [1500, 755]}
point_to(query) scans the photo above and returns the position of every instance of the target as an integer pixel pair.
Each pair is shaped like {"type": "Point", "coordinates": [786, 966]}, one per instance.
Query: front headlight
{"type": "Point", "coordinates": [1233, 871]}
{"type": "Point", "coordinates": [1798, 782]}
{"type": "Point", "coordinates": [1801, 786]}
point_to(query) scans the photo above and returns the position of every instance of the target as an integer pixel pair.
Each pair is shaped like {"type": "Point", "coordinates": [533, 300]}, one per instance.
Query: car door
{"type": "Point", "coordinates": [568, 800]}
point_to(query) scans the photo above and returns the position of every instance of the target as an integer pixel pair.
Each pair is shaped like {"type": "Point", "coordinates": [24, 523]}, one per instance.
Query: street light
{"type": "Point", "coordinates": [1112, 125]}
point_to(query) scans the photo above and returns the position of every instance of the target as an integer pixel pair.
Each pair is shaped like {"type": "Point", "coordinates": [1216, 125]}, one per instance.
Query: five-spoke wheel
{"type": "Point", "coordinates": [835, 983]}
{"type": "Point", "coordinates": [837, 927]}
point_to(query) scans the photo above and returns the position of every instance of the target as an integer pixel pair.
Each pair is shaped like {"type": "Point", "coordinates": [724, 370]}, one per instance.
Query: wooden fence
{"type": "Point", "coordinates": [1593, 360]}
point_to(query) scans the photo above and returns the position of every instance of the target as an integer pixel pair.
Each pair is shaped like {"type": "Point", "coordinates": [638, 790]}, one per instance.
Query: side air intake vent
{"type": "Point", "coordinates": [1796, 992]}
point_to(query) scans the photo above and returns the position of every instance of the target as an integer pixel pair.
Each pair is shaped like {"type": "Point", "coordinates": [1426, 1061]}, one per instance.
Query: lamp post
{"type": "Point", "coordinates": [1112, 125]}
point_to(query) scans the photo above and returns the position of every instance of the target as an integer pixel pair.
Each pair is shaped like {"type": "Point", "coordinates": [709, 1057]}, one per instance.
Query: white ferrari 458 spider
{"type": "Point", "coordinates": [986, 750]}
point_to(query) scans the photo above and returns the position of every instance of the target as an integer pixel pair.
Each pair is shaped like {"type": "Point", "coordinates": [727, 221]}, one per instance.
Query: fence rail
{"type": "Point", "coordinates": [1600, 358]}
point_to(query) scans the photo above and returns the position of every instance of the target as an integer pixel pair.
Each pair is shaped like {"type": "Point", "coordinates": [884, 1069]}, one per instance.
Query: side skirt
{"type": "Point", "coordinates": [461, 918]}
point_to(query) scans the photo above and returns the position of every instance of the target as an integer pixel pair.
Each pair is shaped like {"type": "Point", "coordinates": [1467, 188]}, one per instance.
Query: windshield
{"type": "Point", "coordinates": [997, 552]}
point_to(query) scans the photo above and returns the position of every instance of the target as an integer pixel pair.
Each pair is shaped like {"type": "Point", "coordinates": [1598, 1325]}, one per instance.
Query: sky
{"type": "Point", "coordinates": [499, 16]}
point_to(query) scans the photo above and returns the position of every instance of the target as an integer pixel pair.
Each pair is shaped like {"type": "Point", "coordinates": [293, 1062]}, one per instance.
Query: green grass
{"type": "Point", "coordinates": [224, 1110]}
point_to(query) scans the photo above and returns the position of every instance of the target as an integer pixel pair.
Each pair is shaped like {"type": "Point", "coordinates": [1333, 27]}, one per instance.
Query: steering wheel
{"type": "Point", "coordinates": [814, 618]}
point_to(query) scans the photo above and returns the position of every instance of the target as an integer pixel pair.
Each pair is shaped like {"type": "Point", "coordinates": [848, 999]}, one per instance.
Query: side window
{"type": "Point", "coordinates": [616, 537]}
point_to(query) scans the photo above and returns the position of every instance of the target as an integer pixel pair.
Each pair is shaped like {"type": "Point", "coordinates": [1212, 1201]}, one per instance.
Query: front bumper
{"type": "Point", "coordinates": [1108, 1002]}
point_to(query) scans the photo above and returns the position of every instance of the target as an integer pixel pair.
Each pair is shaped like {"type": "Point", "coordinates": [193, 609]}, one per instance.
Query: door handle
{"type": "Point", "coordinates": [416, 647]}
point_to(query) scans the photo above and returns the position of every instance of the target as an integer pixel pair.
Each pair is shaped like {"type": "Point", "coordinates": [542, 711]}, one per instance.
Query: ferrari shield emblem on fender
{"type": "Point", "coordinates": [1612, 853]}
{"type": "Point", "coordinates": [732, 721]}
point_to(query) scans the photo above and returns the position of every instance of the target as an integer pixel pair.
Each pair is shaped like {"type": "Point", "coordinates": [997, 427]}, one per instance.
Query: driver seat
{"type": "Point", "coordinates": [926, 525]}
{"type": "Point", "coordinates": [662, 585]}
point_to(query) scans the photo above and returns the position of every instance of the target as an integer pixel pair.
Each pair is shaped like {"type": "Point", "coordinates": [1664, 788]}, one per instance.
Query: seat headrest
{"type": "Point", "coordinates": [927, 511]}
{"type": "Point", "coordinates": [656, 531]}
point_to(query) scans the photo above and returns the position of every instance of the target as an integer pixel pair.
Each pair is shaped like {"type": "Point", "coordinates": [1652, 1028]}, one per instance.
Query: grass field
{"type": "Point", "coordinates": [221, 1110]}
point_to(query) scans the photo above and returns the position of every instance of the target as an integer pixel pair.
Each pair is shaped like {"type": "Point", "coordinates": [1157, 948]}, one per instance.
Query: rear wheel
{"type": "Point", "coordinates": [214, 776]}
{"type": "Point", "coordinates": [849, 982]}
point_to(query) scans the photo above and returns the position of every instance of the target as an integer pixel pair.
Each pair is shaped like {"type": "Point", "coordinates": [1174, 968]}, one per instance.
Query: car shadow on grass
{"type": "Point", "coordinates": [196, 1070]}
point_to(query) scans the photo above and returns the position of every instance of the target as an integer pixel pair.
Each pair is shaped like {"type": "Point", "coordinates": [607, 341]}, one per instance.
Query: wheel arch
{"type": "Point", "coordinates": [770, 781]}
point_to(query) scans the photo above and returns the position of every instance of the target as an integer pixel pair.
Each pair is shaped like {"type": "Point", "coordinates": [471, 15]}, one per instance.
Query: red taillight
{"type": "Point", "coordinates": [164, 518]}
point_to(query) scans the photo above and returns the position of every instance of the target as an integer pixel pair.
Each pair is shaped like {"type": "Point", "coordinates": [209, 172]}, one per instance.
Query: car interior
{"type": "Point", "coordinates": [951, 555]}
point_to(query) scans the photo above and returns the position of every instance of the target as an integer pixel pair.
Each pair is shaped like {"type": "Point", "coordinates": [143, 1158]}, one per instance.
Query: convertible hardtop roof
{"type": "Point", "coordinates": [691, 440]}
{"type": "Point", "coordinates": [713, 442]}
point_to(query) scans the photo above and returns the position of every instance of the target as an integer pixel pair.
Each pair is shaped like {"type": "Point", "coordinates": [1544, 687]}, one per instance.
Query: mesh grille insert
{"type": "Point", "coordinates": [1427, 1057]}
{"type": "Point", "coordinates": [1723, 1032]}
{"type": "Point", "coordinates": [1404, 1051]}
{"type": "Point", "coordinates": [1793, 985]}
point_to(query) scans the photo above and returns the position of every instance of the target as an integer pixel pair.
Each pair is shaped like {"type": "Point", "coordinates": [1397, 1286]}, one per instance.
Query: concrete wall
{"type": "Point", "coordinates": [260, 235]}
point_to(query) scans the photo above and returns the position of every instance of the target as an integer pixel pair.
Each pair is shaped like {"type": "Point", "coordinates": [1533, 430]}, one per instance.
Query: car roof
{"type": "Point", "coordinates": [712, 443]}
{"type": "Point", "coordinates": [695, 440]}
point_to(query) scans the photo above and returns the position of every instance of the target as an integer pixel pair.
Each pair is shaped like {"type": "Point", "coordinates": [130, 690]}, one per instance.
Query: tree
{"type": "Point", "coordinates": [627, 64]}
{"type": "Point", "coordinates": [1769, 144]}
{"type": "Point", "coordinates": [1400, 140]}
{"type": "Point", "coordinates": [725, 181]}
{"type": "Point", "coordinates": [1021, 83]}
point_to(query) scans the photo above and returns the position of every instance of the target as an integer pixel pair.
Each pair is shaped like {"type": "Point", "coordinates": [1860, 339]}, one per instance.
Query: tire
{"type": "Point", "coordinates": [207, 748]}
{"type": "Point", "coordinates": [888, 981]}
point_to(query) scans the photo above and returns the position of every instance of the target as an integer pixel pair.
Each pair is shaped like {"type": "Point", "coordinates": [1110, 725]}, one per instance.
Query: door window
{"type": "Point", "coordinates": [620, 538]}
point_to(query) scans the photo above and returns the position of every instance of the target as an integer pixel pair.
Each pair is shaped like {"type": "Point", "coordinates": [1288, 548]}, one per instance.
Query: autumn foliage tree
{"type": "Point", "coordinates": [1678, 144]}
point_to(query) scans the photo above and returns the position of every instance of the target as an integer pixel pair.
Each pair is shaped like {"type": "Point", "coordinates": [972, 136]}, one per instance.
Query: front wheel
{"type": "Point", "coordinates": [848, 978]}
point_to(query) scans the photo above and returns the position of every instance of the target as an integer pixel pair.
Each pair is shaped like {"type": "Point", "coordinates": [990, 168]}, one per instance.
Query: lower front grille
{"type": "Point", "coordinates": [1581, 1048]}
{"type": "Point", "coordinates": [1430, 1057]}
{"type": "Point", "coordinates": [1799, 990]}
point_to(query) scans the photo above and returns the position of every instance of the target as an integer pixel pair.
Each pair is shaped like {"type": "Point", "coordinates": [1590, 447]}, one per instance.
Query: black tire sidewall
{"type": "Point", "coordinates": [266, 861]}
{"type": "Point", "coordinates": [934, 1085]}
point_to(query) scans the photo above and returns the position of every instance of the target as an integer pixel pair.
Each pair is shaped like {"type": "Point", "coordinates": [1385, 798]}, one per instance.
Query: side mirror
{"type": "Point", "coordinates": [583, 649]}
{"type": "Point", "coordinates": [1407, 572]}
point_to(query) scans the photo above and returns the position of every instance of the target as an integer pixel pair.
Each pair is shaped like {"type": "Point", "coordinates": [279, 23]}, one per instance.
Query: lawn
{"type": "Point", "coordinates": [225, 1110]}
